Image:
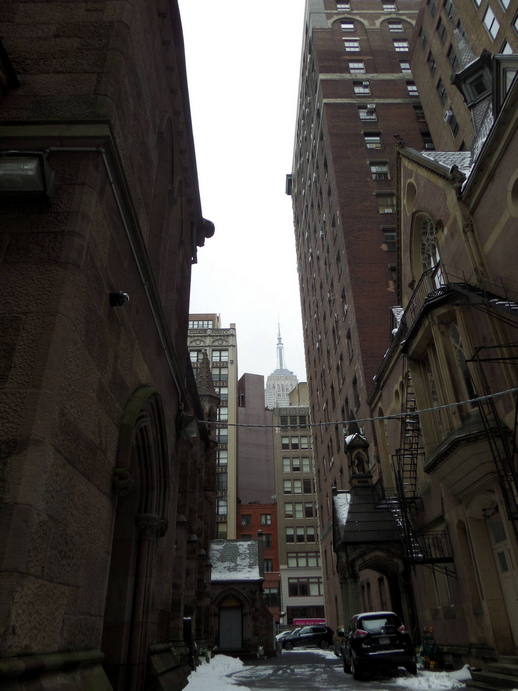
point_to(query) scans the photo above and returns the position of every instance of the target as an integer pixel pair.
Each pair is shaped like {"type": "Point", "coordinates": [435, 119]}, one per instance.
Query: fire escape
{"type": "Point", "coordinates": [435, 286]}
{"type": "Point", "coordinates": [420, 548]}
{"type": "Point", "coordinates": [502, 440]}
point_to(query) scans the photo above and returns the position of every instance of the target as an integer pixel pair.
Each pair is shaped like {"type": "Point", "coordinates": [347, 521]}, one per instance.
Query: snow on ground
{"type": "Point", "coordinates": [427, 681]}
{"type": "Point", "coordinates": [210, 676]}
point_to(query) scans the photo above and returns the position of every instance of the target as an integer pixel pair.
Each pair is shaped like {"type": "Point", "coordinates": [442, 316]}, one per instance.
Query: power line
{"type": "Point", "coordinates": [393, 416]}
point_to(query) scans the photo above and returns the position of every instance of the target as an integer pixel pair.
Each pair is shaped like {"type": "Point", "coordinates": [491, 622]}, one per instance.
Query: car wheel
{"type": "Point", "coordinates": [324, 644]}
{"type": "Point", "coordinates": [347, 666]}
{"type": "Point", "coordinates": [288, 645]}
{"type": "Point", "coordinates": [356, 669]}
{"type": "Point", "coordinates": [411, 668]}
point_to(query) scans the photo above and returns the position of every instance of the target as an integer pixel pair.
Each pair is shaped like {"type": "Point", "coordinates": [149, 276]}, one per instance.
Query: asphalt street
{"type": "Point", "coordinates": [309, 670]}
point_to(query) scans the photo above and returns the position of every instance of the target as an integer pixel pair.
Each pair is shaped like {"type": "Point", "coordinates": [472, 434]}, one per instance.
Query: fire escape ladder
{"type": "Point", "coordinates": [431, 548]}
{"type": "Point", "coordinates": [501, 440]}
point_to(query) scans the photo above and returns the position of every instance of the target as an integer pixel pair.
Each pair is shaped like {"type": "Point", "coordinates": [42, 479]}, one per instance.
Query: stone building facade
{"type": "Point", "coordinates": [107, 489]}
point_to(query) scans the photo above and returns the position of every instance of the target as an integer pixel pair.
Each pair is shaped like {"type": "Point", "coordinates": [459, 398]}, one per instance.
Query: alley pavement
{"type": "Point", "coordinates": [314, 670]}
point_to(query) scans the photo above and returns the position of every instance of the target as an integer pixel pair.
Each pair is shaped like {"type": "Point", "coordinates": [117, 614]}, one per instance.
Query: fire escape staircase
{"type": "Point", "coordinates": [431, 548]}
{"type": "Point", "coordinates": [502, 440]}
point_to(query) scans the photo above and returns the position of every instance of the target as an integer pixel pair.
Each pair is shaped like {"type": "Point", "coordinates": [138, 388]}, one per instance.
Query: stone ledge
{"type": "Point", "coordinates": [12, 667]}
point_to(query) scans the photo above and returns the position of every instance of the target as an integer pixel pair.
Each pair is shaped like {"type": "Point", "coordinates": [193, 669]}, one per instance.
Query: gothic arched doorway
{"type": "Point", "coordinates": [141, 483]}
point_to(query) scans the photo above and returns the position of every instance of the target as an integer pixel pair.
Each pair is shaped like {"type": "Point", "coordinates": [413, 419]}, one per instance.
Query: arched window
{"type": "Point", "coordinates": [429, 251]}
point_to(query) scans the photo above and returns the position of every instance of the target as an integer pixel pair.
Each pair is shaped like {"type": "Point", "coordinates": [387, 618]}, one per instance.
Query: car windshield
{"type": "Point", "coordinates": [379, 622]}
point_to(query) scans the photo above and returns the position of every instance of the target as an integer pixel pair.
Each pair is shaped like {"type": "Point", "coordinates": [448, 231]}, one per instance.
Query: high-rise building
{"type": "Point", "coordinates": [206, 335]}
{"type": "Point", "coordinates": [281, 381]}
{"type": "Point", "coordinates": [299, 549]}
{"type": "Point", "coordinates": [356, 94]}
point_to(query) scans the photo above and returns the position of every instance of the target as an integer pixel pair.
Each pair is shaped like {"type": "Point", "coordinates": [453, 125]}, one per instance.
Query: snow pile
{"type": "Point", "coordinates": [212, 675]}
{"type": "Point", "coordinates": [429, 681]}
{"type": "Point", "coordinates": [342, 502]}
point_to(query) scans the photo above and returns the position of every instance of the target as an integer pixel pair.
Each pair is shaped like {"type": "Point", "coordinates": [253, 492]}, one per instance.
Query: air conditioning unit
{"type": "Point", "coordinates": [371, 106]}
{"type": "Point", "coordinates": [365, 84]}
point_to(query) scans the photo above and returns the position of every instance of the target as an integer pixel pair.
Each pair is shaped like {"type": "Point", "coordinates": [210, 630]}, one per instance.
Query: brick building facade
{"type": "Point", "coordinates": [356, 92]}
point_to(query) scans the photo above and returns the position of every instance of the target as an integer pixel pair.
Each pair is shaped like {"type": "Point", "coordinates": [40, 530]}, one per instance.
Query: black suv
{"type": "Point", "coordinates": [377, 641]}
{"type": "Point", "coordinates": [317, 634]}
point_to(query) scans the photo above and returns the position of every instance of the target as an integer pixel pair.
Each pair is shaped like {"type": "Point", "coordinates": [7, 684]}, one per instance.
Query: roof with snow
{"type": "Point", "coordinates": [360, 517]}
{"type": "Point", "coordinates": [235, 560]}
{"type": "Point", "coordinates": [461, 159]}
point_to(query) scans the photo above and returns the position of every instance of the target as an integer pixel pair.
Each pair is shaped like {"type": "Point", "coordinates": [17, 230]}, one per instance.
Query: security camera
{"type": "Point", "coordinates": [119, 298]}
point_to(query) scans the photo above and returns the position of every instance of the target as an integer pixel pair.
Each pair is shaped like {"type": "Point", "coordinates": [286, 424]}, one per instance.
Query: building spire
{"type": "Point", "coordinates": [280, 349]}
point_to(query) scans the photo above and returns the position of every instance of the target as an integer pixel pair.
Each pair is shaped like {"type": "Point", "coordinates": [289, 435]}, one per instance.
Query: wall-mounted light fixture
{"type": "Point", "coordinates": [25, 174]}
{"type": "Point", "coordinates": [119, 298]}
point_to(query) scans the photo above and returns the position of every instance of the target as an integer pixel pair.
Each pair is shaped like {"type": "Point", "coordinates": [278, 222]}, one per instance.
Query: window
{"type": "Point", "coordinates": [306, 465]}
{"type": "Point", "coordinates": [401, 46]}
{"type": "Point", "coordinates": [246, 519]}
{"type": "Point", "coordinates": [372, 140]}
{"type": "Point", "coordinates": [196, 356]}
{"type": "Point", "coordinates": [395, 26]}
{"type": "Point", "coordinates": [441, 30]}
{"type": "Point", "coordinates": [222, 414]}
{"type": "Point", "coordinates": [302, 559]}
{"type": "Point", "coordinates": [389, 7]}
{"type": "Point", "coordinates": [266, 539]}
{"type": "Point", "coordinates": [389, 239]}
{"type": "Point", "coordinates": [361, 87]}
{"type": "Point", "coordinates": [266, 519]}
{"type": "Point", "coordinates": [307, 486]}
{"type": "Point", "coordinates": [357, 67]}
{"type": "Point", "coordinates": [290, 534]}
{"type": "Point", "coordinates": [222, 457]}
{"type": "Point", "coordinates": [302, 587]}
{"type": "Point", "coordinates": [222, 435]}
{"type": "Point", "coordinates": [430, 61]}
{"type": "Point", "coordinates": [309, 510]}
{"type": "Point", "coordinates": [419, 113]}
{"type": "Point", "coordinates": [450, 118]}
{"type": "Point", "coordinates": [427, 140]}
{"type": "Point", "coordinates": [219, 356]}
{"type": "Point", "coordinates": [452, 57]}
{"type": "Point", "coordinates": [347, 25]}
{"type": "Point", "coordinates": [491, 22]}
{"type": "Point", "coordinates": [271, 596]}
{"type": "Point", "coordinates": [422, 38]}
{"type": "Point", "coordinates": [305, 443]}
{"type": "Point", "coordinates": [386, 203]}
{"type": "Point", "coordinates": [201, 324]}
{"type": "Point", "coordinates": [222, 393]}
{"type": "Point", "coordinates": [343, 5]}
{"type": "Point", "coordinates": [352, 45]}
{"type": "Point", "coordinates": [285, 442]}
{"type": "Point", "coordinates": [412, 89]}
{"type": "Point", "coordinates": [221, 482]}
{"type": "Point", "coordinates": [379, 170]}
{"type": "Point", "coordinates": [405, 67]}
{"type": "Point", "coordinates": [221, 507]}
{"type": "Point", "coordinates": [367, 112]}
{"type": "Point", "coordinates": [267, 565]}
{"type": "Point", "coordinates": [441, 91]}
{"type": "Point", "coordinates": [506, 49]}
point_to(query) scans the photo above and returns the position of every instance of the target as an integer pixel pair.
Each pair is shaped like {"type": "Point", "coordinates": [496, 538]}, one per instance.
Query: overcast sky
{"type": "Point", "coordinates": [243, 71]}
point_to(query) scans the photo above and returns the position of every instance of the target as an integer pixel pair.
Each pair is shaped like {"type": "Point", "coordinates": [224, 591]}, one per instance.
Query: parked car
{"type": "Point", "coordinates": [377, 641]}
{"type": "Point", "coordinates": [316, 635]}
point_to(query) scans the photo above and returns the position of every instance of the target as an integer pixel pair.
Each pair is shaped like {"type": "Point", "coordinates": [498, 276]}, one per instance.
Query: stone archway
{"type": "Point", "coordinates": [141, 484]}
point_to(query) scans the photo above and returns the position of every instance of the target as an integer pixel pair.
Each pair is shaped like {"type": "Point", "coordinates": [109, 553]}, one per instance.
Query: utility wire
{"type": "Point", "coordinates": [393, 416]}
